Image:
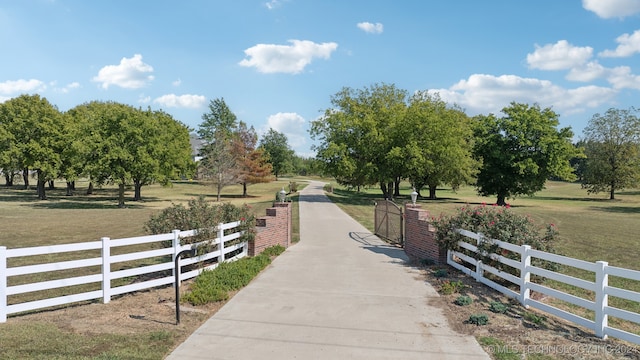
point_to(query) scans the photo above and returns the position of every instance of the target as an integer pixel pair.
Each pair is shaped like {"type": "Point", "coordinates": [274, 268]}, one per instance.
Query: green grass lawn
{"type": "Point", "coordinates": [26, 221]}
{"type": "Point", "coordinates": [591, 227]}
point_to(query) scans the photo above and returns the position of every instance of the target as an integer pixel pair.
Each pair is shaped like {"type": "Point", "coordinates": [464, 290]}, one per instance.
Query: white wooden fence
{"type": "Point", "coordinates": [599, 305]}
{"type": "Point", "coordinates": [106, 262]}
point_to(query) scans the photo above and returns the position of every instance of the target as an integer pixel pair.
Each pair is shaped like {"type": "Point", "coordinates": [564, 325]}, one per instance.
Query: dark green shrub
{"type": "Point", "coordinates": [494, 222]}
{"type": "Point", "coordinates": [498, 307]}
{"type": "Point", "coordinates": [427, 262]}
{"type": "Point", "coordinates": [214, 285]}
{"type": "Point", "coordinates": [204, 216]}
{"type": "Point", "coordinates": [478, 319]}
{"type": "Point", "coordinates": [463, 300]}
{"type": "Point", "coordinates": [440, 273]}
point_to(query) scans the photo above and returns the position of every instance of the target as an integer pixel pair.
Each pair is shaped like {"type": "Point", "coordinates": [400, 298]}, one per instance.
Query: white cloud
{"type": "Point", "coordinates": [273, 4]}
{"type": "Point", "coordinates": [291, 59]}
{"type": "Point", "coordinates": [587, 72]}
{"type": "Point", "coordinates": [368, 27]}
{"type": "Point", "coordinates": [67, 88]}
{"type": "Point", "coordinates": [181, 101]}
{"type": "Point", "coordinates": [628, 45]}
{"type": "Point", "coordinates": [131, 73]}
{"type": "Point", "coordinates": [10, 87]}
{"type": "Point", "coordinates": [483, 94]}
{"type": "Point", "coordinates": [612, 8]}
{"type": "Point", "coordinates": [622, 78]}
{"type": "Point", "coordinates": [558, 56]}
{"type": "Point", "coordinates": [177, 82]}
{"type": "Point", "coordinates": [290, 124]}
{"type": "Point", "coordinates": [144, 99]}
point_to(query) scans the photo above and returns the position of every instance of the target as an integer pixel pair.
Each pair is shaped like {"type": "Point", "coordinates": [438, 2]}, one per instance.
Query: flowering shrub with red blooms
{"type": "Point", "coordinates": [494, 222]}
{"type": "Point", "coordinates": [204, 216]}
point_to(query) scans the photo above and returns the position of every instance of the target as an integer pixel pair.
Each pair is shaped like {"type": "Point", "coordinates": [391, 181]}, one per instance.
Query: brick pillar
{"type": "Point", "coordinates": [273, 229]}
{"type": "Point", "coordinates": [419, 239]}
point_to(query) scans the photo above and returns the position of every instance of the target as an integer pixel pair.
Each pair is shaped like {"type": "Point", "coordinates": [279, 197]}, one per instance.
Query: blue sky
{"type": "Point", "coordinates": [277, 63]}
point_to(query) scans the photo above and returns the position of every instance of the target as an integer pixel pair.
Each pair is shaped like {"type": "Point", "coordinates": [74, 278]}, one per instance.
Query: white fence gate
{"type": "Point", "coordinates": [601, 288]}
{"type": "Point", "coordinates": [106, 262]}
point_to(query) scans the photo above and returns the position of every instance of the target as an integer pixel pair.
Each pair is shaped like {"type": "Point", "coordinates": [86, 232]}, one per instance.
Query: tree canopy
{"type": "Point", "coordinates": [229, 153]}
{"type": "Point", "coordinates": [521, 151]}
{"type": "Point", "coordinates": [35, 137]}
{"type": "Point", "coordinates": [438, 144]}
{"type": "Point", "coordinates": [380, 135]}
{"type": "Point", "coordinates": [612, 148]}
{"type": "Point", "coordinates": [125, 145]}
{"type": "Point", "coordinates": [278, 153]}
{"type": "Point", "coordinates": [361, 136]}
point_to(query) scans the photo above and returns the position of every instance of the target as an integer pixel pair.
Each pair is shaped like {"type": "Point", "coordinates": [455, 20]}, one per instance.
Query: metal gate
{"type": "Point", "coordinates": [388, 221]}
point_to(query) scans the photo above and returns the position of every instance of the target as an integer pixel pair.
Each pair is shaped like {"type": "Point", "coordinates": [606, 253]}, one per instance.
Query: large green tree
{"type": "Point", "coordinates": [612, 147]}
{"type": "Point", "coordinates": [164, 154]}
{"type": "Point", "coordinates": [219, 119]}
{"type": "Point", "coordinates": [128, 146]}
{"type": "Point", "coordinates": [37, 131]}
{"type": "Point", "coordinates": [361, 137]}
{"type": "Point", "coordinates": [439, 144]}
{"type": "Point", "coordinates": [520, 151]}
{"type": "Point", "coordinates": [278, 153]}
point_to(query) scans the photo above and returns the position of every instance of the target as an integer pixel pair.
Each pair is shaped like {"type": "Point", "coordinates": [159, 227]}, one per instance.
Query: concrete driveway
{"type": "Point", "coordinates": [340, 293]}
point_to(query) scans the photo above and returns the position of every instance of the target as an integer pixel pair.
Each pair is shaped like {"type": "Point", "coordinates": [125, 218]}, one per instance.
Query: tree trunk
{"type": "Point", "coordinates": [90, 188]}
{"type": "Point", "coordinates": [8, 179]}
{"type": "Point", "coordinates": [51, 185]}
{"type": "Point", "coordinates": [396, 188]}
{"type": "Point", "coordinates": [137, 189]}
{"type": "Point", "coordinates": [244, 189]}
{"type": "Point", "coordinates": [501, 200]}
{"type": "Point", "coordinates": [121, 194]}
{"type": "Point", "coordinates": [69, 188]}
{"type": "Point", "coordinates": [385, 191]}
{"type": "Point", "coordinates": [432, 192]}
{"type": "Point", "coordinates": [220, 185]}
{"type": "Point", "coordinates": [25, 177]}
{"type": "Point", "coordinates": [73, 185]}
{"type": "Point", "coordinates": [390, 190]}
{"type": "Point", "coordinates": [41, 186]}
{"type": "Point", "coordinates": [612, 192]}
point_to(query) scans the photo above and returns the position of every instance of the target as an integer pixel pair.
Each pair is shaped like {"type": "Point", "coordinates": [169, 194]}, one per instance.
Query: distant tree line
{"type": "Point", "coordinates": [106, 142]}
{"type": "Point", "coordinates": [231, 153]}
{"type": "Point", "coordinates": [381, 135]}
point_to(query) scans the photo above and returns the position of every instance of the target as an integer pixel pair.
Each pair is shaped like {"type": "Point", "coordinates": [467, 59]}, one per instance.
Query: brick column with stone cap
{"type": "Point", "coordinates": [273, 229]}
{"type": "Point", "coordinates": [419, 239]}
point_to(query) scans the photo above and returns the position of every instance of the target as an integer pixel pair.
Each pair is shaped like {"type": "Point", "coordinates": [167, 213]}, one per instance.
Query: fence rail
{"type": "Point", "coordinates": [600, 287]}
{"type": "Point", "coordinates": [109, 272]}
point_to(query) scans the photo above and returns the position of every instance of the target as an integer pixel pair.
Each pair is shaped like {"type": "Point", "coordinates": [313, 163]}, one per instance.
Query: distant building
{"type": "Point", "coordinates": [196, 146]}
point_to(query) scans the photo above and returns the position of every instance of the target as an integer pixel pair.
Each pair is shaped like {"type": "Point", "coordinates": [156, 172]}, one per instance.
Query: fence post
{"type": "Point", "coordinates": [479, 272]}
{"type": "Point", "coordinates": [602, 299]}
{"type": "Point", "coordinates": [3, 284]}
{"type": "Point", "coordinates": [176, 250]}
{"type": "Point", "coordinates": [525, 275]}
{"type": "Point", "coordinates": [106, 270]}
{"type": "Point", "coordinates": [220, 244]}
